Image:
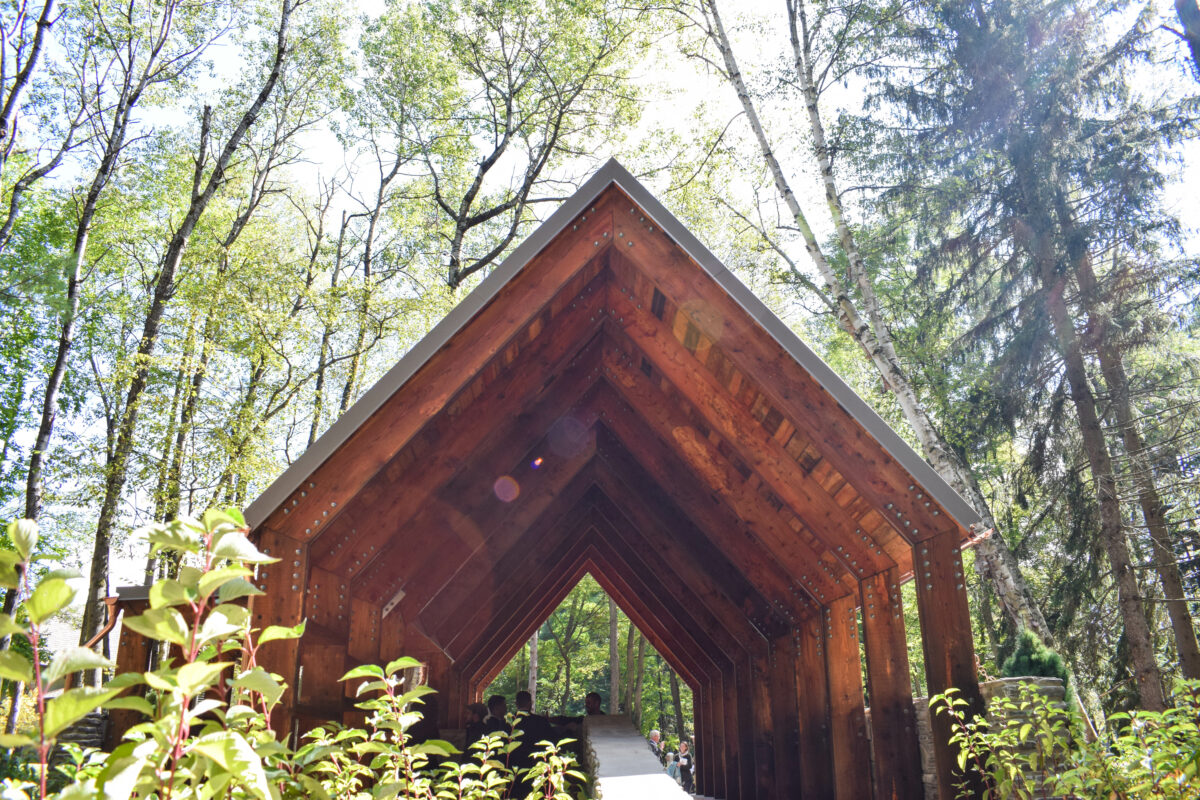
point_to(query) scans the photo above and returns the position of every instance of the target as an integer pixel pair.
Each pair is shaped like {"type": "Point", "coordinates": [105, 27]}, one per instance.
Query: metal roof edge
{"type": "Point", "coordinates": [859, 409]}
{"type": "Point", "coordinates": [408, 365]}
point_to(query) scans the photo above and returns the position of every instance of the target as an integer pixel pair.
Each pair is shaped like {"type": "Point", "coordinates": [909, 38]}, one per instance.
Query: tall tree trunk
{"type": "Point", "coordinates": [531, 684]}
{"type": "Point", "coordinates": [14, 711]}
{"type": "Point", "coordinates": [1112, 534]}
{"type": "Point", "coordinates": [1112, 368]}
{"type": "Point", "coordinates": [677, 702]}
{"type": "Point", "coordinates": [641, 682]}
{"type": "Point", "coordinates": [614, 659]}
{"type": "Point", "coordinates": [997, 562]}
{"type": "Point", "coordinates": [164, 289]}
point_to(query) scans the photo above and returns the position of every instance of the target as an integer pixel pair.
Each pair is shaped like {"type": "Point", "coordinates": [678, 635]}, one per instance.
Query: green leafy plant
{"type": "Point", "coordinates": [1028, 748]}
{"type": "Point", "coordinates": [207, 709]}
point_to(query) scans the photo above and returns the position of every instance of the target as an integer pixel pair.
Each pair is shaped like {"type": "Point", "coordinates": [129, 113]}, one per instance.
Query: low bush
{"type": "Point", "coordinates": [1030, 748]}
{"type": "Point", "coordinates": [207, 731]}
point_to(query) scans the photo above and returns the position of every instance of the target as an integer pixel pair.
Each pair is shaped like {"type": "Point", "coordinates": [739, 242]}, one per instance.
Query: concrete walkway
{"type": "Point", "coordinates": [622, 763]}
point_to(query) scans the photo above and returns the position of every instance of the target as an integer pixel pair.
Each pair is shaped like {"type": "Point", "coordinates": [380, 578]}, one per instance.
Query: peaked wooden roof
{"type": "Point", "coordinates": [609, 399]}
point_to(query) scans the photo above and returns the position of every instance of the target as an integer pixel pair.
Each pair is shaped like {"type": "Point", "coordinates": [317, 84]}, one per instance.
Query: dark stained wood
{"type": "Point", "coordinates": [812, 691]}
{"type": "Point", "coordinates": [751, 576]}
{"type": "Point", "coordinates": [550, 365]}
{"type": "Point", "coordinates": [893, 721]}
{"type": "Point", "coordinates": [755, 444]}
{"type": "Point", "coordinates": [283, 604]}
{"type": "Point", "coordinates": [785, 715]}
{"type": "Point", "coordinates": [847, 446]}
{"type": "Point", "coordinates": [661, 423]}
{"type": "Point", "coordinates": [480, 581]}
{"type": "Point", "coordinates": [847, 718]}
{"type": "Point", "coordinates": [133, 655]}
{"type": "Point", "coordinates": [393, 425]}
{"type": "Point", "coordinates": [948, 646]}
{"type": "Point", "coordinates": [364, 631]}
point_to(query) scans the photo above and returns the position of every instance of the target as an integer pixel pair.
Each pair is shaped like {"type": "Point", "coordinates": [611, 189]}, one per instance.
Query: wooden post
{"type": "Point", "coordinates": [812, 691]}
{"type": "Point", "coordinates": [949, 649]}
{"type": "Point", "coordinates": [785, 710]}
{"type": "Point", "coordinates": [283, 604]}
{"type": "Point", "coordinates": [848, 728]}
{"type": "Point", "coordinates": [893, 721]}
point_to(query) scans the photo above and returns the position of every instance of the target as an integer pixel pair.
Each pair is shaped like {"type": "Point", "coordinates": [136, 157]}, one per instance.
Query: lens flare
{"type": "Point", "coordinates": [506, 489]}
{"type": "Point", "coordinates": [537, 462]}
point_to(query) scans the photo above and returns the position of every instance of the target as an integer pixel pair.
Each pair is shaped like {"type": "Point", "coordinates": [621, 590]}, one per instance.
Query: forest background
{"type": "Point", "coordinates": [221, 221]}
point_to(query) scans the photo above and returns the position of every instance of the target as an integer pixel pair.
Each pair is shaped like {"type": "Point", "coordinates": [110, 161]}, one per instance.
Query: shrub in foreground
{"type": "Point", "coordinates": [207, 732]}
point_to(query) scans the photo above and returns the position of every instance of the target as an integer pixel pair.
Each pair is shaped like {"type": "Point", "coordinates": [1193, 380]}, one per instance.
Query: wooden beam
{"type": "Point", "coordinates": [650, 343]}
{"type": "Point", "coordinates": [847, 446]}
{"type": "Point", "coordinates": [848, 724]}
{"type": "Point", "coordinates": [651, 434]}
{"type": "Point", "coordinates": [490, 332]}
{"type": "Point", "coordinates": [949, 648]}
{"type": "Point", "coordinates": [548, 367]}
{"type": "Point", "coordinates": [785, 712]}
{"type": "Point", "coordinates": [285, 584]}
{"type": "Point", "coordinates": [889, 687]}
{"type": "Point", "coordinates": [812, 690]}
{"type": "Point", "coordinates": [753, 579]}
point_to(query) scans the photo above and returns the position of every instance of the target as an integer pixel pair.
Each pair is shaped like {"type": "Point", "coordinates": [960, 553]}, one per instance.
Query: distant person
{"type": "Point", "coordinates": [655, 745]}
{"type": "Point", "coordinates": [672, 766]}
{"type": "Point", "coordinates": [495, 721]}
{"type": "Point", "coordinates": [591, 704]}
{"type": "Point", "coordinates": [683, 759]}
{"type": "Point", "coordinates": [531, 728]}
{"type": "Point", "coordinates": [476, 713]}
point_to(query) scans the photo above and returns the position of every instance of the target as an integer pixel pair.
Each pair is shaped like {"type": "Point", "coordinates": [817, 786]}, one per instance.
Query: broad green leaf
{"type": "Point", "coordinates": [132, 703]}
{"type": "Point", "coordinates": [9, 626]}
{"type": "Point", "coordinates": [175, 537]}
{"type": "Point", "coordinates": [215, 579]}
{"type": "Point", "coordinates": [273, 632]}
{"type": "Point", "coordinates": [15, 740]}
{"type": "Point", "coordinates": [9, 577]}
{"type": "Point", "coordinates": [24, 535]}
{"type": "Point", "coordinates": [66, 573]}
{"type": "Point", "coordinates": [73, 705]}
{"type": "Point", "coordinates": [161, 624]}
{"type": "Point", "coordinates": [435, 747]}
{"type": "Point", "coordinates": [120, 775]}
{"type": "Point", "coordinates": [74, 659]}
{"type": "Point", "coordinates": [192, 678]}
{"type": "Point", "coordinates": [15, 667]}
{"type": "Point", "coordinates": [365, 671]}
{"type": "Point", "coordinates": [50, 597]}
{"type": "Point", "coordinates": [234, 753]}
{"type": "Point", "coordinates": [125, 680]}
{"type": "Point", "coordinates": [259, 680]}
{"type": "Point", "coordinates": [236, 547]}
{"type": "Point", "coordinates": [216, 518]}
{"type": "Point", "coordinates": [404, 662]}
{"type": "Point", "coordinates": [169, 592]}
{"type": "Point", "coordinates": [237, 588]}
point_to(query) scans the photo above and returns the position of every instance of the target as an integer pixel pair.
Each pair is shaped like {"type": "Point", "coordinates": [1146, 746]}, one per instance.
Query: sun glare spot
{"type": "Point", "coordinates": [506, 489]}
{"type": "Point", "coordinates": [537, 462]}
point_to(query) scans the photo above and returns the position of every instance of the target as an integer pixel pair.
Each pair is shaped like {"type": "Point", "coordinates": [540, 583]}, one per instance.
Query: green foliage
{"type": "Point", "coordinates": [1034, 658]}
{"type": "Point", "coordinates": [1030, 747]}
{"type": "Point", "coordinates": [206, 731]}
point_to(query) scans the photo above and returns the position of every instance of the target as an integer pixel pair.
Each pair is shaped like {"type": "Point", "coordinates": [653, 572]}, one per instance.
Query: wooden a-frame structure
{"type": "Point", "coordinates": [612, 400]}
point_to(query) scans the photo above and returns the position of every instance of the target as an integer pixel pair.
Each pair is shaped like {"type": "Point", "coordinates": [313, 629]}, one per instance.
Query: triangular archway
{"type": "Point", "coordinates": [611, 390]}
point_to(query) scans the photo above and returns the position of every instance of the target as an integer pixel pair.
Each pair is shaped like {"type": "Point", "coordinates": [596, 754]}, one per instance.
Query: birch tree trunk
{"type": "Point", "coordinates": [202, 193]}
{"type": "Point", "coordinates": [871, 332]}
{"type": "Point", "coordinates": [636, 712]}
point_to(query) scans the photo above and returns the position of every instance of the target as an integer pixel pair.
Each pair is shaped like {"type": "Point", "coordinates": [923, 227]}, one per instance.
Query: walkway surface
{"type": "Point", "coordinates": [623, 765]}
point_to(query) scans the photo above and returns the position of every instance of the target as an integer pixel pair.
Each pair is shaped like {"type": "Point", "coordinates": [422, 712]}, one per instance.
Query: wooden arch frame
{"type": "Point", "coordinates": [668, 411]}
